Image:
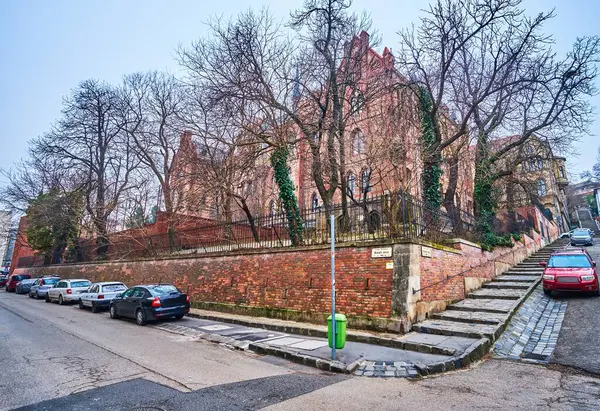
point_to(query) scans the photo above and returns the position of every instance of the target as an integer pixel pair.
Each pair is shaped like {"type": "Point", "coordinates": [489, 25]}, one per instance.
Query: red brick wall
{"type": "Point", "coordinates": [471, 260]}
{"type": "Point", "coordinates": [297, 280]}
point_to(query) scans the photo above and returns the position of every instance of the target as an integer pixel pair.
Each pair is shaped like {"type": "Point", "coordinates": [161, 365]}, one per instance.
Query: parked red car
{"type": "Point", "coordinates": [13, 280]}
{"type": "Point", "coordinates": [570, 270]}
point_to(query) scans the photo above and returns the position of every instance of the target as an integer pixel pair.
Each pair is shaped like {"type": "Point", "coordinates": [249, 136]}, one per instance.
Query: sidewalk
{"type": "Point", "coordinates": [449, 340]}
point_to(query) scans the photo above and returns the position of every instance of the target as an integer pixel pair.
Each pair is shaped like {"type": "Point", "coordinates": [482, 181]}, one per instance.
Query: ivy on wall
{"type": "Point", "coordinates": [432, 157]}
{"type": "Point", "coordinates": [286, 194]}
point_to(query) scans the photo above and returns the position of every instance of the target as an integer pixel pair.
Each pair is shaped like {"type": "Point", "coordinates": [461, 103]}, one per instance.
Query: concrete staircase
{"type": "Point", "coordinates": [480, 318]}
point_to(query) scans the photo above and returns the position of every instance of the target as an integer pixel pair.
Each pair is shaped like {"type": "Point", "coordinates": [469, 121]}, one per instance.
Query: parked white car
{"type": "Point", "coordinates": [66, 291]}
{"type": "Point", "coordinates": [98, 296]}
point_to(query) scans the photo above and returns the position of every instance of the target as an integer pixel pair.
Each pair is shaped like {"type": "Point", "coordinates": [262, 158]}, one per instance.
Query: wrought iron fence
{"type": "Point", "coordinates": [389, 216]}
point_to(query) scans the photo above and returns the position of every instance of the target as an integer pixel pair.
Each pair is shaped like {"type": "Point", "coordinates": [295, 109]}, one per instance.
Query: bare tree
{"type": "Point", "coordinates": [89, 140]}
{"type": "Point", "coordinates": [151, 113]}
{"type": "Point", "coordinates": [495, 70]}
{"type": "Point", "coordinates": [292, 87]}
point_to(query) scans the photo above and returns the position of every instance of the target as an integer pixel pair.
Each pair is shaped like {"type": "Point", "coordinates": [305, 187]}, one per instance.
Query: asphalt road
{"type": "Point", "coordinates": [579, 339]}
{"type": "Point", "coordinates": [61, 358]}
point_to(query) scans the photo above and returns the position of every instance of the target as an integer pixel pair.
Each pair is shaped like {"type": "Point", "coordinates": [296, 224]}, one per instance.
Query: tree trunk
{"type": "Point", "coordinates": [251, 220]}
{"type": "Point", "coordinates": [449, 196]}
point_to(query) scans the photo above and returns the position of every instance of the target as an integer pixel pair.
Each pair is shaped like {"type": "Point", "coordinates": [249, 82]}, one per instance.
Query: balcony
{"type": "Point", "coordinates": [562, 181]}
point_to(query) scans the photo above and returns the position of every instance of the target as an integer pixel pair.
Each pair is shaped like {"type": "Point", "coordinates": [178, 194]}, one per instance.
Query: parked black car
{"type": "Point", "coordinates": [150, 302]}
{"type": "Point", "coordinates": [24, 286]}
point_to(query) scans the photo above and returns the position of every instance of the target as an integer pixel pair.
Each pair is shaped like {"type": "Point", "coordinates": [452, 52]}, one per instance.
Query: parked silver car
{"type": "Point", "coordinates": [66, 291]}
{"type": "Point", "coordinates": [41, 286]}
{"type": "Point", "coordinates": [582, 236]}
{"type": "Point", "coordinates": [99, 295]}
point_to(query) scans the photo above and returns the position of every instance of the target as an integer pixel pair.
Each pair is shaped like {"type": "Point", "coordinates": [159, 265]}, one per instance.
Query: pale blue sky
{"type": "Point", "coordinates": [47, 47]}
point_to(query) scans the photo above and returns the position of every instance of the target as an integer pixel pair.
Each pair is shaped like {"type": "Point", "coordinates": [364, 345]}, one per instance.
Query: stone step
{"type": "Point", "coordinates": [507, 285]}
{"type": "Point", "coordinates": [458, 329]}
{"type": "Point", "coordinates": [520, 272]}
{"type": "Point", "coordinates": [496, 294]}
{"type": "Point", "coordinates": [529, 269]}
{"type": "Point", "coordinates": [527, 279]}
{"type": "Point", "coordinates": [435, 344]}
{"type": "Point", "coordinates": [488, 305]}
{"type": "Point", "coordinates": [471, 317]}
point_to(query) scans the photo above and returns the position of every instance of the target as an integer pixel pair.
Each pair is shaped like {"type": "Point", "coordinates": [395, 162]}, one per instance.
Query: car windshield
{"type": "Point", "coordinates": [19, 277]}
{"type": "Point", "coordinates": [160, 290]}
{"type": "Point", "coordinates": [28, 281]}
{"type": "Point", "coordinates": [50, 281]}
{"type": "Point", "coordinates": [113, 287]}
{"type": "Point", "coordinates": [569, 261]}
{"type": "Point", "coordinates": [80, 283]}
{"type": "Point", "coordinates": [581, 232]}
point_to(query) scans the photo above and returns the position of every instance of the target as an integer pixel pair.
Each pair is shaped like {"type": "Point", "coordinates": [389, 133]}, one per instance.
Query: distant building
{"type": "Point", "coordinates": [537, 177]}
{"type": "Point", "coordinates": [6, 238]}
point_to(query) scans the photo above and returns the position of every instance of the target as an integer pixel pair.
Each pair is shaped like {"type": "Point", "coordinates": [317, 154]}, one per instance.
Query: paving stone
{"type": "Point", "coordinates": [537, 324]}
{"type": "Point", "coordinates": [499, 294]}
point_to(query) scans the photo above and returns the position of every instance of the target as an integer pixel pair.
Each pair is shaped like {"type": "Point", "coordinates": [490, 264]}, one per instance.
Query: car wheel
{"type": "Point", "coordinates": [81, 306]}
{"type": "Point", "coordinates": [36, 296]}
{"type": "Point", "coordinates": [60, 300]}
{"type": "Point", "coordinates": [29, 295]}
{"type": "Point", "coordinates": [596, 293]}
{"type": "Point", "coordinates": [113, 312]}
{"type": "Point", "coordinates": [47, 298]}
{"type": "Point", "coordinates": [548, 292]}
{"type": "Point", "coordinates": [178, 317]}
{"type": "Point", "coordinates": [94, 308]}
{"type": "Point", "coordinates": [140, 317]}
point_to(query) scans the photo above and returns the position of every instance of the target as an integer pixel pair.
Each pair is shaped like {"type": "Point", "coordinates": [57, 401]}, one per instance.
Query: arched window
{"type": "Point", "coordinates": [541, 188]}
{"type": "Point", "coordinates": [350, 184]}
{"type": "Point", "coordinates": [365, 180]}
{"type": "Point", "coordinates": [358, 142]}
{"type": "Point", "coordinates": [314, 202]}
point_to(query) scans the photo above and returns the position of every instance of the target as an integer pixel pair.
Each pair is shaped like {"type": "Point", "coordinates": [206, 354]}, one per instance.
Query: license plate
{"type": "Point", "coordinates": [567, 279]}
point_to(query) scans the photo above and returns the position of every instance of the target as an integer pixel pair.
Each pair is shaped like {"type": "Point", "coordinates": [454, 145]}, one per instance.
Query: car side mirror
{"type": "Point", "coordinates": [543, 263]}
{"type": "Point", "coordinates": [119, 295]}
{"type": "Point", "coordinates": [593, 264]}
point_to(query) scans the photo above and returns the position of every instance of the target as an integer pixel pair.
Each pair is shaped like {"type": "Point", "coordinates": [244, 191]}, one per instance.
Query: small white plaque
{"type": "Point", "coordinates": [389, 265]}
{"type": "Point", "coordinates": [426, 251]}
{"type": "Point", "coordinates": [384, 252]}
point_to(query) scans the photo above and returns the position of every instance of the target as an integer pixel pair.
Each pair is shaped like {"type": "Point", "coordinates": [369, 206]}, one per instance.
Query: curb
{"type": "Point", "coordinates": [310, 332]}
{"type": "Point", "coordinates": [309, 360]}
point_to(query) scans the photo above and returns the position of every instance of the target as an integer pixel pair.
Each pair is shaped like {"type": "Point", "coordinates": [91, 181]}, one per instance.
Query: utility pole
{"type": "Point", "coordinates": [333, 322]}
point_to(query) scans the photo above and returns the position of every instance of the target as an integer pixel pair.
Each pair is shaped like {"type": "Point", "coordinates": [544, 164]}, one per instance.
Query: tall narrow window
{"type": "Point", "coordinates": [350, 184]}
{"type": "Point", "coordinates": [314, 202]}
{"type": "Point", "coordinates": [358, 142]}
{"type": "Point", "coordinates": [272, 208]}
{"type": "Point", "coordinates": [541, 188]}
{"type": "Point", "coordinates": [365, 180]}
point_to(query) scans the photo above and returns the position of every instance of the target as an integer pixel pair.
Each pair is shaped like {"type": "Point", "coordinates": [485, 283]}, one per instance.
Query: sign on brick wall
{"type": "Point", "coordinates": [426, 251]}
{"type": "Point", "coordinates": [384, 252]}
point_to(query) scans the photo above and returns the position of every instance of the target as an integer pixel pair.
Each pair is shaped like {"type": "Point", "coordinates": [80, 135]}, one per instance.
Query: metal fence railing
{"type": "Point", "coordinates": [384, 217]}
